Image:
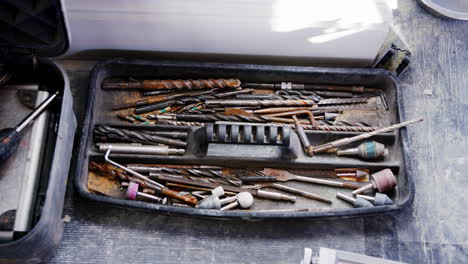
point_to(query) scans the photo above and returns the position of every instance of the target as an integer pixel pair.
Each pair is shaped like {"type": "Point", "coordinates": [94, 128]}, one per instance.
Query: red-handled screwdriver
{"type": "Point", "coordinates": [10, 137]}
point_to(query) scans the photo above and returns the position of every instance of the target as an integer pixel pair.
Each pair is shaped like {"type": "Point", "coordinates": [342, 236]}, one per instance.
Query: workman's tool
{"type": "Point", "coordinates": [10, 137]}
{"type": "Point", "coordinates": [258, 193]}
{"type": "Point", "coordinates": [273, 175]}
{"type": "Point", "coordinates": [368, 150]}
{"type": "Point", "coordinates": [383, 181]}
{"type": "Point", "coordinates": [379, 199]}
{"type": "Point", "coordinates": [308, 149]}
{"type": "Point", "coordinates": [171, 84]}
{"type": "Point", "coordinates": [152, 184]}
{"type": "Point", "coordinates": [358, 202]}
{"type": "Point", "coordinates": [158, 99]}
{"type": "Point", "coordinates": [212, 201]}
{"type": "Point", "coordinates": [300, 86]}
{"type": "Point", "coordinates": [140, 149]}
{"type": "Point", "coordinates": [188, 100]}
{"type": "Point", "coordinates": [358, 174]}
{"type": "Point", "coordinates": [243, 200]}
{"type": "Point", "coordinates": [348, 140]}
{"type": "Point", "coordinates": [133, 194]}
{"type": "Point", "coordinates": [276, 102]}
{"type": "Point", "coordinates": [292, 190]}
{"type": "Point", "coordinates": [107, 133]}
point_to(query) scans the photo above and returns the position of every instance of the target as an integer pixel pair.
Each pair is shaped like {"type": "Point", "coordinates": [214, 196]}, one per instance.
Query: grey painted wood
{"type": "Point", "coordinates": [433, 230]}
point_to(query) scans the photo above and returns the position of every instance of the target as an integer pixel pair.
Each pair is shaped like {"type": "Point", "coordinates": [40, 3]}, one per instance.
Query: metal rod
{"type": "Point", "coordinates": [348, 140]}
{"type": "Point", "coordinates": [35, 113]}
{"type": "Point", "coordinates": [126, 135]}
{"type": "Point", "coordinates": [140, 149]}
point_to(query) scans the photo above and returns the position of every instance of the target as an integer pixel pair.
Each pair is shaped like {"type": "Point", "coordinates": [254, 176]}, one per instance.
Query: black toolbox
{"type": "Point", "coordinates": [32, 31]}
{"type": "Point", "coordinates": [197, 152]}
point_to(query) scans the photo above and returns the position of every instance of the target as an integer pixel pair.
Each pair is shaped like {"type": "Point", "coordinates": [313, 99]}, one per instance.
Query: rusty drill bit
{"type": "Point", "coordinates": [158, 99]}
{"type": "Point", "coordinates": [199, 98]}
{"type": "Point", "coordinates": [172, 84]}
{"type": "Point", "coordinates": [107, 132]}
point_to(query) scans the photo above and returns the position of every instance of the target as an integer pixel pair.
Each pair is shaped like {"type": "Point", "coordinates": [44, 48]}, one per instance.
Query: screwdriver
{"type": "Point", "coordinates": [10, 137]}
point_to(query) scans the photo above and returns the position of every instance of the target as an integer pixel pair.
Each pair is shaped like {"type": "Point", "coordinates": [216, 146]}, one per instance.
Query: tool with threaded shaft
{"type": "Point", "coordinates": [368, 150]}
{"type": "Point", "coordinates": [172, 84]}
{"type": "Point", "coordinates": [348, 140]}
{"type": "Point", "coordinates": [110, 133]}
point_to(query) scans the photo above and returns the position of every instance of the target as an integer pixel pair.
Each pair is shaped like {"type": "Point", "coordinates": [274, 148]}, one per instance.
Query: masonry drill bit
{"type": "Point", "coordinates": [158, 99]}
{"type": "Point", "coordinates": [125, 135]}
{"type": "Point", "coordinates": [172, 84]}
{"type": "Point", "coordinates": [300, 86]}
{"type": "Point", "coordinates": [348, 140]}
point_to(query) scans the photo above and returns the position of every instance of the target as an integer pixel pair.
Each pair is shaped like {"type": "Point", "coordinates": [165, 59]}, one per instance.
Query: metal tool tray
{"type": "Point", "coordinates": [99, 111]}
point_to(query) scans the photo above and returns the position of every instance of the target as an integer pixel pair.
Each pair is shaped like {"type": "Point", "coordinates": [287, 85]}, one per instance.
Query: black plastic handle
{"type": "Point", "coordinates": [9, 140]}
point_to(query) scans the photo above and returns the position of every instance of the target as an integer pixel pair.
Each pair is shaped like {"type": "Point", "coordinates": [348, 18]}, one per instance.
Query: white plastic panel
{"type": "Point", "coordinates": [302, 28]}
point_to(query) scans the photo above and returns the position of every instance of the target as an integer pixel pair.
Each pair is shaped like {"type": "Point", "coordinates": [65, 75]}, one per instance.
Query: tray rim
{"type": "Point", "coordinates": [244, 215]}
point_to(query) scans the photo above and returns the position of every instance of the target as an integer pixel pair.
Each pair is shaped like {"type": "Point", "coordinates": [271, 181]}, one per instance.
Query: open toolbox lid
{"type": "Point", "coordinates": [36, 27]}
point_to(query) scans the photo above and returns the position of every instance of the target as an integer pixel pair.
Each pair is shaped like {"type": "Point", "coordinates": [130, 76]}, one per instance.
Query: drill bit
{"type": "Point", "coordinates": [220, 117]}
{"type": "Point", "coordinates": [188, 100]}
{"type": "Point", "coordinates": [233, 102]}
{"type": "Point", "coordinates": [172, 84]}
{"type": "Point", "coordinates": [277, 97]}
{"type": "Point", "coordinates": [158, 99]}
{"type": "Point", "coordinates": [299, 86]}
{"type": "Point", "coordinates": [179, 123]}
{"type": "Point", "coordinates": [110, 133]}
{"type": "Point", "coordinates": [348, 140]}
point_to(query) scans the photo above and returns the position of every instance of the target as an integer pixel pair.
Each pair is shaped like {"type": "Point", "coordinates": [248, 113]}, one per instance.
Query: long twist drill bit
{"type": "Point", "coordinates": [172, 84]}
{"type": "Point", "coordinates": [348, 140]}
{"type": "Point", "coordinates": [300, 86]}
{"type": "Point", "coordinates": [233, 102]}
{"type": "Point", "coordinates": [135, 137]}
{"type": "Point", "coordinates": [220, 117]}
{"type": "Point", "coordinates": [189, 100]}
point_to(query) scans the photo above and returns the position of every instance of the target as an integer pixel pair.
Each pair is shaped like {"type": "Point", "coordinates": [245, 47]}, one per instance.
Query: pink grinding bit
{"type": "Point", "coordinates": [132, 191]}
{"type": "Point", "coordinates": [384, 180]}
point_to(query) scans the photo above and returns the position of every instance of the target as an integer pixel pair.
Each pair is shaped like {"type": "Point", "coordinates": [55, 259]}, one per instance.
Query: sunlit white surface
{"type": "Point", "coordinates": [303, 28]}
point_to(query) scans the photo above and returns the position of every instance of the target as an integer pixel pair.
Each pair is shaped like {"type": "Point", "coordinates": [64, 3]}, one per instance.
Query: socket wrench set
{"type": "Point", "coordinates": [244, 141]}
